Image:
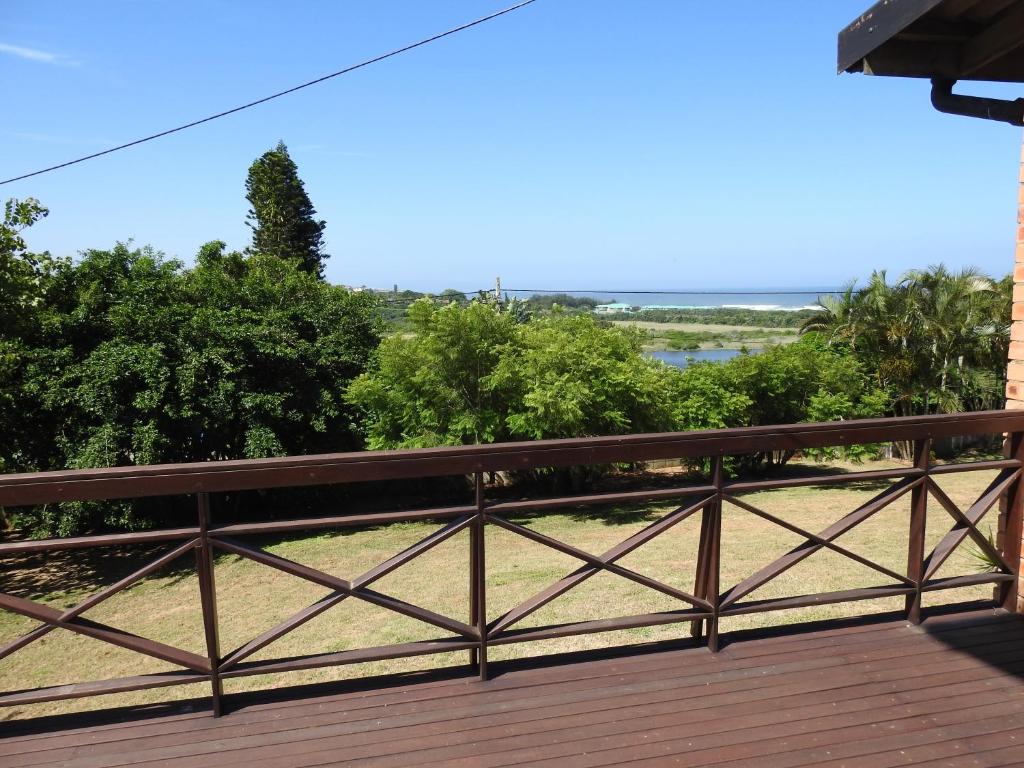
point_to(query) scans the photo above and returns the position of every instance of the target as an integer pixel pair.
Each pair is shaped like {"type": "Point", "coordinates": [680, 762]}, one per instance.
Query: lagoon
{"type": "Point", "coordinates": [682, 358]}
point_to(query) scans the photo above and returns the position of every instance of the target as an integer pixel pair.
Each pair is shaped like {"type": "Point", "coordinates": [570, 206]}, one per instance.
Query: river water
{"type": "Point", "coordinates": [682, 358]}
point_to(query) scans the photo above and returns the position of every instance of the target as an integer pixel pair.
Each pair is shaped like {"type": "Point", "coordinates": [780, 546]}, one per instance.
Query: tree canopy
{"type": "Point", "coordinates": [123, 356]}
{"type": "Point", "coordinates": [936, 340]}
{"type": "Point", "coordinates": [476, 374]}
{"type": "Point", "coordinates": [282, 217]}
{"type": "Point", "coordinates": [479, 373]}
{"type": "Point", "coordinates": [137, 360]}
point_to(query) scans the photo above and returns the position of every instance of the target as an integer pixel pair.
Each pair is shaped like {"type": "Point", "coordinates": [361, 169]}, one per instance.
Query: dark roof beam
{"type": "Point", "coordinates": [954, 9]}
{"type": "Point", "coordinates": [934, 31]}
{"type": "Point", "coordinates": [998, 40]}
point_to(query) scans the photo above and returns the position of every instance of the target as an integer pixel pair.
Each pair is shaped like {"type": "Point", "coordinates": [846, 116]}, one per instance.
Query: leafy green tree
{"type": "Point", "coordinates": [282, 216]}
{"type": "Point", "coordinates": [265, 357]}
{"type": "Point", "coordinates": [19, 215]}
{"type": "Point", "coordinates": [142, 361]}
{"type": "Point", "coordinates": [19, 268]}
{"type": "Point", "coordinates": [22, 278]}
{"type": "Point", "coordinates": [475, 374]}
{"type": "Point", "coordinates": [479, 374]}
{"type": "Point", "coordinates": [936, 340]}
{"type": "Point", "coordinates": [957, 312]}
{"type": "Point", "coordinates": [705, 397]}
{"type": "Point", "coordinates": [573, 377]}
{"type": "Point", "coordinates": [804, 381]}
{"type": "Point", "coordinates": [105, 367]}
{"type": "Point", "coordinates": [436, 386]}
{"type": "Point", "coordinates": [449, 295]}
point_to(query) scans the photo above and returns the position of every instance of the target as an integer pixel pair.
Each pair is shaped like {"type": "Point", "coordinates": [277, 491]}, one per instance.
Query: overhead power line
{"type": "Point", "coordinates": [277, 95]}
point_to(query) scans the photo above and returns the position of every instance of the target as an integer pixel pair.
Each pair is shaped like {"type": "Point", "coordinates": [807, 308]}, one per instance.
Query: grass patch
{"type": "Point", "coordinates": [253, 597]}
{"type": "Point", "coordinates": [683, 336]}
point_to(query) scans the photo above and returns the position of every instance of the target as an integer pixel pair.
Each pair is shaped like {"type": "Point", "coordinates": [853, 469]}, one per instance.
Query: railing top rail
{"type": "Point", "coordinates": [176, 479]}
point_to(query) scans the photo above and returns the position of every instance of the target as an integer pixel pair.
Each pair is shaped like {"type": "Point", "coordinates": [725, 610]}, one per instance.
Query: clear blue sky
{"type": "Point", "coordinates": [660, 143]}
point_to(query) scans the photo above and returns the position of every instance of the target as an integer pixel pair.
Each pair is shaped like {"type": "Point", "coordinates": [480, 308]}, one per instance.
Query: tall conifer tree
{"type": "Point", "coordinates": [282, 217]}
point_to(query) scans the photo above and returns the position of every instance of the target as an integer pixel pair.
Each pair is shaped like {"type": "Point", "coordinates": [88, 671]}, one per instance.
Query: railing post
{"type": "Point", "coordinates": [208, 599]}
{"type": "Point", "coordinates": [714, 551]}
{"type": "Point", "coordinates": [474, 653]}
{"type": "Point", "coordinates": [700, 584]}
{"type": "Point", "coordinates": [1013, 530]}
{"type": "Point", "coordinates": [478, 587]}
{"type": "Point", "coordinates": [918, 521]}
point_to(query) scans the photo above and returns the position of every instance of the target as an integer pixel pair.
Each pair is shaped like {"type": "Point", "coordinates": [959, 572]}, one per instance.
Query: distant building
{"type": "Point", "coordinates": [608, 309]}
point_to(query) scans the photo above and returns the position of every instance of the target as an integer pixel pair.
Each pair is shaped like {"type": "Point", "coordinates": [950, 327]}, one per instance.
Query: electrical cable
{"type": "Point", "coordinates": [277, 95]}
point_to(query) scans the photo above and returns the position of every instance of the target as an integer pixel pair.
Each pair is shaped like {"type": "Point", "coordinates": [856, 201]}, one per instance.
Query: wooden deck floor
{"type": "Point", "coordinates": [878, 693]}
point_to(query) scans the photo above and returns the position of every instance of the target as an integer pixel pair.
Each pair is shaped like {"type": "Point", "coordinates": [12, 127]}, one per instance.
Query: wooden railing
{"type": "Point", "coordinates": [702, 609]}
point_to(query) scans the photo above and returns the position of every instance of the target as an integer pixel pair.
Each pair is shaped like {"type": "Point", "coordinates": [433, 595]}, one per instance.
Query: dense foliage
{"type": "Point", "coordinates": [935, 340]}
{"type": "Point", "coordinates": [132, 359]}
{"type": "Point", "coordinates": [474, 374]}
{"type": "Point", "coordinates": [478, 373]}
{"type": "Point", "coordinates": [282, 216]}
{"type": "Point", "coordinates": [767, 318]}
{"type": "Point", "coordinates": [20, 273]}
{"type": "Point", "coordinates": [691, 340]}
{"type": "Point", "coordinates": [547, 301]}
{"type": "Point", "coordinates": [803, 381]}
{"type": "Point", "coordinates": [124, 357]}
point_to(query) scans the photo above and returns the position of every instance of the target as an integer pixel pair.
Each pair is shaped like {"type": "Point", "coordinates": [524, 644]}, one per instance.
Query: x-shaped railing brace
{"type": "Point", "coordinates": [815, 542]}
{"type": "Point", "coordinates": [343, 589]}
{"type": "Point", "coordinates": [967, 523]}
{"type": "Point", "coordinates": [595, 564]}
{"type": "Point", "coordinates": [71, 620]}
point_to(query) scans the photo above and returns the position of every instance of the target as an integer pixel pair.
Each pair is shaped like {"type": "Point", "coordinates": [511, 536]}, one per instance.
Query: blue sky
{"type": "Point", "coordinates": [599, 144]}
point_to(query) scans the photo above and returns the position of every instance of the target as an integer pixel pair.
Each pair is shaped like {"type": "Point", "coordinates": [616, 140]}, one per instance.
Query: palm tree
{"type": "Point", "coordinates": [936, 340]}
{"type": "Point", "coordinates": [956, 313]}
{"type": "Point", "coordinates": [837, 316]}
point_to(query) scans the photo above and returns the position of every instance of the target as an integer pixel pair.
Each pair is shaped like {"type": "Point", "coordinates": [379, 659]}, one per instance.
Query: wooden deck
{"type": "Point", "coordinates": [875, 693]}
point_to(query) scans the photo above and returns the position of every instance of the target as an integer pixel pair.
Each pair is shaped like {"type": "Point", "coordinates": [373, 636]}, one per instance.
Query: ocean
{"type": "Point", "coordinates": [782, 299]}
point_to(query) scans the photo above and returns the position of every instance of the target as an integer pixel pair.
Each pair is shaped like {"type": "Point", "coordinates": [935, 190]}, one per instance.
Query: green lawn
{"type": "Point", "coordinates": [253, 597]}
{"type": "Point", "coordinates": [691, 336]}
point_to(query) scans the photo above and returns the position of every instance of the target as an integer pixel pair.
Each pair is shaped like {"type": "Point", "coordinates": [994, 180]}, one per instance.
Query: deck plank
{"type": "Point", "coordinates": [873, 693]}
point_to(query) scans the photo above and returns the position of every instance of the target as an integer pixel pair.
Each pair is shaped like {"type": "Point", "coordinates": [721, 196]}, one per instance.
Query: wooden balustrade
{"type": "Point", "coordinates": [701, 610]}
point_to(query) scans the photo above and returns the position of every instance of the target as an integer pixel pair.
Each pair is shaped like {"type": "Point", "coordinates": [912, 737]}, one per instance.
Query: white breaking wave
{"type": "Point", "coordinates": [769, 307]}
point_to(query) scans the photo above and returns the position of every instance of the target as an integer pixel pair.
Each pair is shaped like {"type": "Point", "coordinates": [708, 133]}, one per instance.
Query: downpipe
{"type": "Point", "coordinates": [944, 100]}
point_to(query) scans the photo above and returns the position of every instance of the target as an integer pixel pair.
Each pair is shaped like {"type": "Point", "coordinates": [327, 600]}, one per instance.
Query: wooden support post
{"type": "Point", "coordinates": [208, 599]}
{"type": "Point", "coordinates": [1013, 532]}
{"type": "Point", "coordinates": [700, 582]}
{"type": "Point", "coordinates": [474, 585]}
{"type": "Point", "coordinates": [918, 521]}
{"type": "Point", "coordinates": [714, 552]}
{"type": "Point", "coordinates": [480, 576]}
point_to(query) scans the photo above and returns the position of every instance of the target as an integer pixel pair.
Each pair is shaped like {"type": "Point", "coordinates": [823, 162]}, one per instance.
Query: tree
{"type": "Point", "coordinates": [282, 216]}
{"type": "Point", "coordinates": [936, 340]}
{"type": "Point", "coordinates": [22, 278]}
{"type": "Point", "coordinates": [957, 313]}
{"type": "Point", "coordinates": [142, 361]}
{"type": "Point", "coordinates": [481, 374]}
{"type": "Point", "coordinates": [449, 295]}
{"type": "Point", "coordinates": [573, 377]}
{"type": "Point", "coordinates": [436, 385]}
{"type": "Point", "coordinates": [791, 383]}
{"type": "Point", "coordinates": [19, 268]}
{"type": "Point", "coordinates": [266, 355]}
